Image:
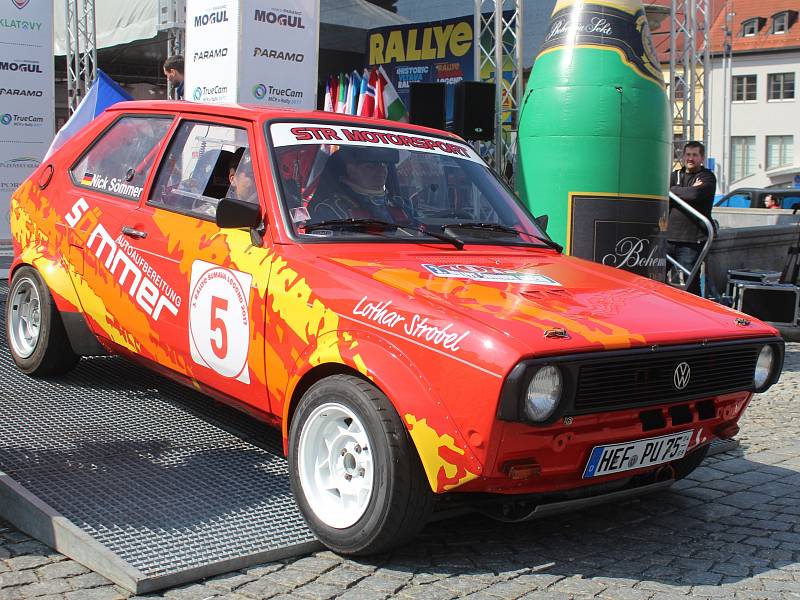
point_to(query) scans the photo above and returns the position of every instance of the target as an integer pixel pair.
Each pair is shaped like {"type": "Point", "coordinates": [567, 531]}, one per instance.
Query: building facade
{"type": "Point", "coordinates": [757, 95]}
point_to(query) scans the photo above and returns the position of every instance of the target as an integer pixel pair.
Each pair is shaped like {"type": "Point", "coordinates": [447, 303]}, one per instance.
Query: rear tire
{"type": "Point", "coordinates": [34, 331]}
{"type": "Point", "coordinates": [354, 472]}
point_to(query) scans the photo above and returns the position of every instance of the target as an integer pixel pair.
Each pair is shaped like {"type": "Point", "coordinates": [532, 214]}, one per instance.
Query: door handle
{"type": "Point", "coordinates": [134, 233]}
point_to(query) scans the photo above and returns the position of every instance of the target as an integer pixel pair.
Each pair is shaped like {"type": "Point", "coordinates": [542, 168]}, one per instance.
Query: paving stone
{"type": "Point", "coordinates": [13, 578]}
{"type": "Point", "coordinates": [263, 588]}
{"type": "Point", "coordinates": [230, 581]}
{"type": "Point", "coordinates": [43, 588]}
{"type": "Point", "coordinates": [745, 499]}
{"type": "Point", "coordinates": [107, 593]}
{"type": "Point", "coordinates": [426, 592]}
{"type": "Point", "coordinates": [20, 563]}
{"type": "Point", "coordinates": [192, 592]}
{"type": "Point", "coordinates": [317, 591]}
{"type": "Point", "coordinates": [67, 568]}
{"type": "Point", "coordinates": [89, 580]}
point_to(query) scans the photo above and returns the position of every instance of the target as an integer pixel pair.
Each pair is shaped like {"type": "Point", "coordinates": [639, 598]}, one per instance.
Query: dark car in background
{"type": "Point", "coordinates": [754, 198]}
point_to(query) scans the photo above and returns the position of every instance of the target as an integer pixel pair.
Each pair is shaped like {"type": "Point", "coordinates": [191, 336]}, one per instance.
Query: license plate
{"type": "Point", "coordinates": [637, 454]}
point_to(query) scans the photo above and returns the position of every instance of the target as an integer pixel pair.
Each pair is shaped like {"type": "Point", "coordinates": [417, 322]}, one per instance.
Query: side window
{"type": "Point", "coordinates": [121, 160]}
{"type": "Point", "coordinates": [736, 201]}
{"type": "Point", "coordinates": [791, 202]}
{"type": "Point", "coordinates": [204, 164]}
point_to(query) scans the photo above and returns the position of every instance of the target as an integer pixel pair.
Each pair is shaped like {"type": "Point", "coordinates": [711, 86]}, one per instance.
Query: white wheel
{"type": "Point", "coordinates": [34, 330]}
{"type": "Point", "coordinates": [335, 465]}
{"type": "Point", "coordinates": [24, 318]}
{"type": "Point", "coordinates": [354, 472]}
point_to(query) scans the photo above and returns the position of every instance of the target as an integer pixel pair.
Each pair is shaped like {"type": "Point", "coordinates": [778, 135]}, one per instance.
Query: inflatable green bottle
{"type": "Point", "coordinates": [594, 136]}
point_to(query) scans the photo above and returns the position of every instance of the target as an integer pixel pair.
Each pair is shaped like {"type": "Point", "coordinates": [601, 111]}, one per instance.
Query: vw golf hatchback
{"type": "Point", "coordinates": [374, 291]}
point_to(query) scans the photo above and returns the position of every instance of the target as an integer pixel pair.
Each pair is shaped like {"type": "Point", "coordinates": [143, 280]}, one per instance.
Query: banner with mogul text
{"type": "Point", "coordinates": [26, 94]}
{"type": "Point", "coordinates": [252, 51]}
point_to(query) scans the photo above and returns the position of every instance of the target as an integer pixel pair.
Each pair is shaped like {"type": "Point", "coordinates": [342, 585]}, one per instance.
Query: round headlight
{"type": "Point", "coordinates": [766, 358]}
{"type": "Point", "coordinates": [544, 392]}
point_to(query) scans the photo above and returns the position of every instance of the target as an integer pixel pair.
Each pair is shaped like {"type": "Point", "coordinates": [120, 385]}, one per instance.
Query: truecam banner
{"type": "Point", "coordinates": [212, 50]}
{"type": "Point", "coordinates": [26, 94]}
{"type": "Point", "coordinates": [252, 51]}
{"type": "Point", "coordinates": [279, 46]}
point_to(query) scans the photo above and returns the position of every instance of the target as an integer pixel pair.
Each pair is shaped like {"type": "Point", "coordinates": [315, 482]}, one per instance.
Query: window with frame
{"type": "Point", "coordinates": [780, 86]}
{"type": "Point", "coordinates": [780, 151]}
{"type": "Point", "coordinates": [680, 88]}
{"type": "Point", "coordinates": [745, 88]}
{"type": "Point", "coordinates": [120, 160]}
{"type": "Point", "coordinates": [204, 164]}
{"type": "Point", "coordinates": [751, 27]}
{"type": "Point", "coordinates": [743, 156]}
{"type": "Point", "coordinates": [780, 23]}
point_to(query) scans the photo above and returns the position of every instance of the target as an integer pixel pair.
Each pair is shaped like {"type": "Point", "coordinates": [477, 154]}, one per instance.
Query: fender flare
{"type": "Point", "coordinates": [446, 458]}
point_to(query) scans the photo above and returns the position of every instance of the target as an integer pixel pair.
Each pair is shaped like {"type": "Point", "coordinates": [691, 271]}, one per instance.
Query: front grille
{"type": "Point", "coordinates": [644, 379]}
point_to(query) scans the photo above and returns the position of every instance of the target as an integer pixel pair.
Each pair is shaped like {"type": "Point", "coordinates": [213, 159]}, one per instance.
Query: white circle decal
{"type": "Point", "coordinates": [219, 322]}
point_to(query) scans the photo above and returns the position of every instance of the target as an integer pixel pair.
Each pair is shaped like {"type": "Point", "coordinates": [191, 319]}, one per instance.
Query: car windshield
{"type": "Point", "coordinates": [347, 183]}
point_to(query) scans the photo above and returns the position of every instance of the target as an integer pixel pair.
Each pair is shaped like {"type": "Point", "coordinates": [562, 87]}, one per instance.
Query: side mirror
{"type": "Point", "coordinates": [542, 222]}
{"type": "Point", "coordinates": [235, 214]}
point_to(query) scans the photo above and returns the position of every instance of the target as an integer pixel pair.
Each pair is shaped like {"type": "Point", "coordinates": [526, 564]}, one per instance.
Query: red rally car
{"type": "Point", "coordinates": [377, 293]}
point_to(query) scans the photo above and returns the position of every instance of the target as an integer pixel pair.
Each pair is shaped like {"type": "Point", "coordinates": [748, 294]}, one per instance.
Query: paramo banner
{"type": "Point", "coordinates": [252, 51]}
{"type": "Point", "coordinates": [26, 94]}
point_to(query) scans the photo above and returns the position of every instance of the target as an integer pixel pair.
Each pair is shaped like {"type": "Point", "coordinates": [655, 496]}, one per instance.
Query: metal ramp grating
{"type": "Point", "coordinates": [158, 474]}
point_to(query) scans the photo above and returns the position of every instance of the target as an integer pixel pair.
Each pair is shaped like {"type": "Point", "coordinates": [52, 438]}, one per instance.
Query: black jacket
{"type": "Point", "coordinates": [683, 227]}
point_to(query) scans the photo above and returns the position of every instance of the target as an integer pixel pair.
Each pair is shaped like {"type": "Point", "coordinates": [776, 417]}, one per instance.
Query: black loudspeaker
{"type": "Point", "coordinates": [427, 105]}
{"type": "Point", "coordinates": [774, 303]}
{"type": "Point", "coordinates": [474, 117]}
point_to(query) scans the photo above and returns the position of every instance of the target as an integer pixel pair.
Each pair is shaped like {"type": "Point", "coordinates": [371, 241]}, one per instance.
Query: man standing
{"type": "Point", "coordinates": [696, 185]}
{"type": "Point", "coordinates": [173, 69]}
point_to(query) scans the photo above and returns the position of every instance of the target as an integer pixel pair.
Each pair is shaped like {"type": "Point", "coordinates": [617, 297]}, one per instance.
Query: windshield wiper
{"type": "Point", "coordinates": [504, 229]}
{"type": "Point", "coordinates": [366, 224]}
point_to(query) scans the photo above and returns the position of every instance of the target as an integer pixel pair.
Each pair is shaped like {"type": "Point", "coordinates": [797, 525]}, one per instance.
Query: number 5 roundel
{"type": "Point", "coordinates": [219, 319]}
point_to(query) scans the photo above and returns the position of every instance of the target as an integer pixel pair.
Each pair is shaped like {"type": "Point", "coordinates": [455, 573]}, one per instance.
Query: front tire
{"type": "Point", "coordinates": [34, 331]}
{"type": "Point", "coordinates": [354, 471]}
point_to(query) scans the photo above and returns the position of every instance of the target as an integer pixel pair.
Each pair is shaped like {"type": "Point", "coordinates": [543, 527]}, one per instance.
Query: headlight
{"type": "Point", "coordinates": [544, 392]}
{"type": "Point", "coordinates": [764, 364]}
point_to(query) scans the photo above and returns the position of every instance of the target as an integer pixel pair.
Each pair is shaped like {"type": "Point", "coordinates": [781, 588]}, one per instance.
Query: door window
{"type": "Point", "coordinates": [205, 163]}
{"type": "Point", "coordinates": [120, 161]}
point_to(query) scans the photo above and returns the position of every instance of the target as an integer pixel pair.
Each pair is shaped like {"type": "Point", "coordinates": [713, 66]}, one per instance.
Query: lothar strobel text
{"type": "Point", "coordinates": [413, 326]}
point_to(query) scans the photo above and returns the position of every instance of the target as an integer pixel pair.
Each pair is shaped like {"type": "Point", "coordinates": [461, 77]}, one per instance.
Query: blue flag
{"type": "Point", "coordinates": [103, 93]}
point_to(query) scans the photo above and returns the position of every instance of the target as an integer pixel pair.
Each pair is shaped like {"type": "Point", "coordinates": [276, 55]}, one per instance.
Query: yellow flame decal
{"type": "Point", "coordinates": [429, 443]}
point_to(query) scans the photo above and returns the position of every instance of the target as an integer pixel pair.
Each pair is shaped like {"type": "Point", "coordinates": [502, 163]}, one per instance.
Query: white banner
{"type": "Point", "coordinates": [212, 51]}
{"type": "Point", "coordinates": [26, 94]}
{"type": "Point", "coordinates": [252, 52]}
{"type": "Point", "coordinates": [279, 46]}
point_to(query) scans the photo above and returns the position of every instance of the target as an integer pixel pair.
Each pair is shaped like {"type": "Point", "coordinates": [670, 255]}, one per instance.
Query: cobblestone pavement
{"type": "Point", "coordinates": [731, 530]}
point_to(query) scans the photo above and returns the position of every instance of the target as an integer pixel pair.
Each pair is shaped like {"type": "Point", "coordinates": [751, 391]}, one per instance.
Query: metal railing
{"type": "Point", "coordinates": [695, 270]}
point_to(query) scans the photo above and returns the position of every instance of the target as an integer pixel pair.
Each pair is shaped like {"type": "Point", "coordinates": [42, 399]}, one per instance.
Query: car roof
{"type": "Point", "coordinates": [764, 190]}
{"type": "Point", "coordinates": [260, 114]}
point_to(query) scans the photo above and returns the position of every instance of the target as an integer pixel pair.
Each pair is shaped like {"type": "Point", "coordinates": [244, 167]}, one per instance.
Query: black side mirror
{"type": "Point", "coordinates": [235, 214]}
{"type": "Point", "coordinates": [542, 222]}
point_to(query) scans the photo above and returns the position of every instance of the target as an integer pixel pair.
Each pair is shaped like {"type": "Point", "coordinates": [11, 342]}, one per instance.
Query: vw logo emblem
{"type": "Point", "coordinates": [683, 373]}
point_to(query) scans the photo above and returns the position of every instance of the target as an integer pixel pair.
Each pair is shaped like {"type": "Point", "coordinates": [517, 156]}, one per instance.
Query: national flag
{"type": "Point", "coordinates": [87, 178]}
{"type": "Point", "coordinates": [394, 108]}
{"type": "Point", "coordinates": [366, 99]}
{"type": "Point", "coordinates": [341, 101]}
{"type": "Point", "coordinates": [103, 92]}
{"type": "Point", "coordinates": [380, 108]}
{"type": "Point", "coordinates": [328, 97]}
{"type": "Point", "coordinates": [353, 92]}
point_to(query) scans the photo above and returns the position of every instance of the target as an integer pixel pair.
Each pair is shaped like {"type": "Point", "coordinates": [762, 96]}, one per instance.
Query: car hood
{"type": "Point", "coordinates": [524, 295]}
